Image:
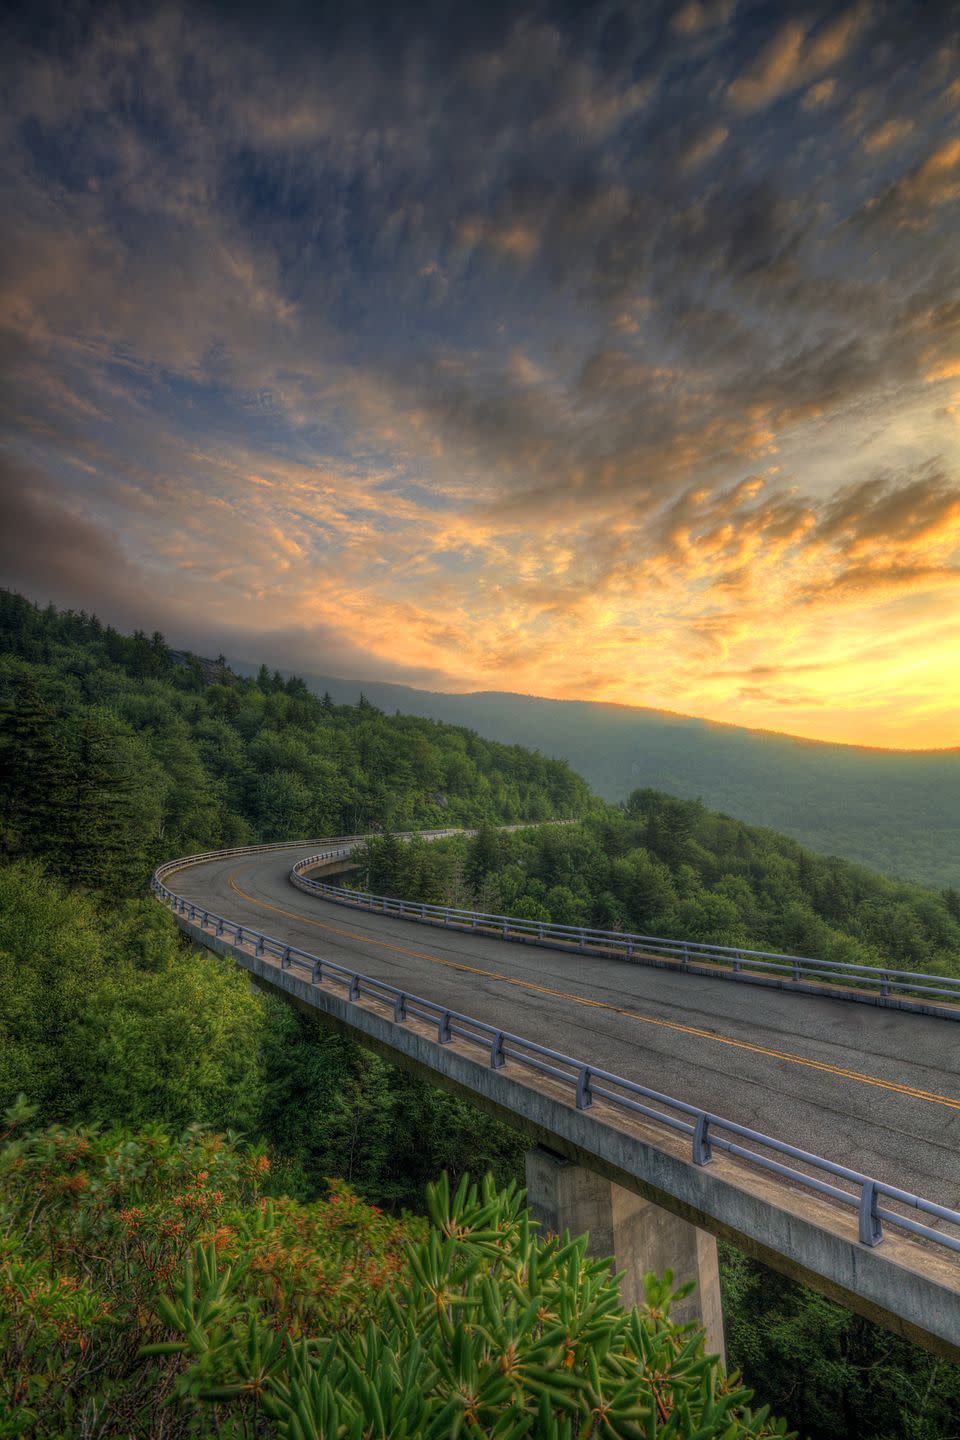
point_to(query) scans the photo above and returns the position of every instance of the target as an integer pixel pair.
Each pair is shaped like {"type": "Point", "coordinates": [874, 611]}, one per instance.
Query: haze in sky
{"type": "Point", "coordinates": [608, 352]}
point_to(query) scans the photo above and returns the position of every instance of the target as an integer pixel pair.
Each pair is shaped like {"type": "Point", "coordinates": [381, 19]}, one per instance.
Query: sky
{"type": "Point", "coordinates": [606, 352]}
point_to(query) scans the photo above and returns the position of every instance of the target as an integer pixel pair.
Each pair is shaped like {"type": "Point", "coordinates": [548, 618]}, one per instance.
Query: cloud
{"type": "Point", "coordinates": [793, 57]}
{"type": "Point", "coordinates": [932, 183]}
{"type": "Point", "coordinates": [888, 580]}
{"type": "Point", "coordinates": [820, 94]}
{"type": "Point", "coordinates": [47, 547]}
{"type": "Point", "coordinates": [697, 16]}
{"type": "Point", "coordinates": [946, 370]}
{"type": "Point", "coordinates": [433, 351]}
{"type": "Point", "coordinates": [888, 133]}
{"type": "Point", "coordinates": [513, 238]}
{"type": "Point", "coordinates": [705, 146]}
{"type": "Point", "coordinates": [902, 513]}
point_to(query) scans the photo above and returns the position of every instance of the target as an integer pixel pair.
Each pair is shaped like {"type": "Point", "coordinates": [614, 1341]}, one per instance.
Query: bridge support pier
{"type": "Point", "coordinates": [639, 1235]}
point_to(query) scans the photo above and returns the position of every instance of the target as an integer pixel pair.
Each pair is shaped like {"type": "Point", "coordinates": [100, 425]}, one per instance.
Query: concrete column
{"type": "Point", "coordinates": [639, 1235]}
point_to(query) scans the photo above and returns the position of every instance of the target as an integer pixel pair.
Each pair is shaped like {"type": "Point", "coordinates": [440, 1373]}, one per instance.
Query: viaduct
{"type": "Point", "coordinates": [812, 1117]}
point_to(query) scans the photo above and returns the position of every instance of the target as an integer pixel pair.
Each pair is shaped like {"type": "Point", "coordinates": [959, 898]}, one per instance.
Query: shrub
{"type": "Point", "coordinates": [148, 1287]}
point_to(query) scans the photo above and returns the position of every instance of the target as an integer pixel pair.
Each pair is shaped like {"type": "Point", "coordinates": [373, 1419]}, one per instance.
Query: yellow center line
{"type": "Point", "coordinates": [838, 1070]}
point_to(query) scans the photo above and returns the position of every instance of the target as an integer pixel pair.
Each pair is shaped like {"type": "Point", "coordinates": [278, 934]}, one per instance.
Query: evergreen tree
{"type": "Point", "coordinates": [483, 856]}
{"type": "Point", "coordinates": [34, 774]}
{"type": "Point", "coordinates": [102, 841]}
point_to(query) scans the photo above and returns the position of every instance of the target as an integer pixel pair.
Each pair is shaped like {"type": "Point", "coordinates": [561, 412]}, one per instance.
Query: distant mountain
{"type": "Point", "coordinates": [898, 811]}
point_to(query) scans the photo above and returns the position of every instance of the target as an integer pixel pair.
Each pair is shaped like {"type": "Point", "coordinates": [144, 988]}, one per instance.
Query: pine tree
{"type": "Point", "coordinates": [34, 774]}
{"type": "Point", "coordinates": [99, 842]}
{"type": "Point", "coordinates": [483, 856]}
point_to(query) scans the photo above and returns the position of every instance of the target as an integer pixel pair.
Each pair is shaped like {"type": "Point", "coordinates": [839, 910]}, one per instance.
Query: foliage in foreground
{"type": "Point", "coordinates": [148, 1288]}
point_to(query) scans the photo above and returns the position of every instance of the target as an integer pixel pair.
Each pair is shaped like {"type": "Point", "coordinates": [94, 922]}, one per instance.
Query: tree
{"type": "Point", "coordinates": [107, 811]}
{"type": "Point", "coordinates": [116, 1021]}
{"type": "Point", "coordinates": [483, 855]}
{"type": "Point", "coordinates": [34, 773]}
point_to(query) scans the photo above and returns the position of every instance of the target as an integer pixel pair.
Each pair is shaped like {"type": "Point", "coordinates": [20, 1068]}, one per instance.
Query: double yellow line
{"type": "Point", "coordinates": [770, 1053]}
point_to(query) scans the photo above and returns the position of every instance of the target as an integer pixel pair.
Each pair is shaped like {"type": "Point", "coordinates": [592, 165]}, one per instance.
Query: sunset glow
{"type": "Point", "coordinates": [610, 358]}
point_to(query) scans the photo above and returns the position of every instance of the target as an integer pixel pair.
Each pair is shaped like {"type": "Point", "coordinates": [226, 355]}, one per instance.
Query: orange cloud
{"type": "Point", "coordinates": [514, 238]}
{"type": "Point", "coordinates": [820, 94]}
{"type": "Point", "coordinates": [932, 183]}
{"type": "Point", "coordinates": [793, 58]}
{"type": "Point", "coordinates": [947, 370]}
{"type": "Point", "coordinates": [708, 144]}
{"type": "Point", "coordinates": [886, 135]}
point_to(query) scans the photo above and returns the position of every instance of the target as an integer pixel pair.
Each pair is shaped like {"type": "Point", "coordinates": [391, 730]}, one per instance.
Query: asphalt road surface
{"type": "Point", "coordinates": [874, 1089]}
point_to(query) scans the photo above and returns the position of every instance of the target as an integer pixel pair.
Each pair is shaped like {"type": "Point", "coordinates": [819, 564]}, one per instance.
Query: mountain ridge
{"type": "Point", "coordinates": [896, 810]}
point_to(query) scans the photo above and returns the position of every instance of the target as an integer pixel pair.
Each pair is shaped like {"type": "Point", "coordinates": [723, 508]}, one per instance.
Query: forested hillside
{"type": "Point", "coordinates": [661, 866]}
{"type": "Point", "coordinates": [897, 811]}
{"type": "Point", "coordinates": [117, 751]}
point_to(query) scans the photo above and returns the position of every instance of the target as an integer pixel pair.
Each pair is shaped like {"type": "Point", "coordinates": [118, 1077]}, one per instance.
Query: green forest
{"type": "Point", "coordinates": [662, 866]}
{"type": "Point", "coordinates": [187, 1150]}
{"type": "Point", "coordinates": [896, 811]}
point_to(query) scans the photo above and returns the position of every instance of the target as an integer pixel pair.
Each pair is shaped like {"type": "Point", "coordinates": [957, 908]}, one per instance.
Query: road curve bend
{"type": "Point", "coordinates": [869, 1089]}
{"type": "Point", "coordinates": [874, 1089]}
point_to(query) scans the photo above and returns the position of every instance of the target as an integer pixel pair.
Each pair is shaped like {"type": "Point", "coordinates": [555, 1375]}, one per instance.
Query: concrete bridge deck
{"type": "Point", "coordinates": [877, 1090]}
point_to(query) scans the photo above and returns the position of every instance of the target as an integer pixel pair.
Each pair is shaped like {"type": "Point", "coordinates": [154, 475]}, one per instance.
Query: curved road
{"type": "Point", "coordinates": [878, 1090]}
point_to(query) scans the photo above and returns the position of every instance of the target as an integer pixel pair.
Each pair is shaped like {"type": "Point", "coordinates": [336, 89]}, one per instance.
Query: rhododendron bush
{"type": "Point", "coordinates": [151, 1286]}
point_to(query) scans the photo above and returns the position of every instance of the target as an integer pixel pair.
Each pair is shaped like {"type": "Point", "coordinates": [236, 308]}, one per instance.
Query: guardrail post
{"type": "Point", "coordinates": [796, 970]}
{"type": "Point", "coordinates": [702, 1149]}
{"type": "Point", "coordinates": [584, 1098]}
{"type": "Point", "coordinates": [497, 1057]}
{"type": "Point", "coordinates": [316, 974]}
{"type": "Point", "coordinates": [285, 958]}
{"type": "Point", "coordinates": [443, 1028]}
{"type": "Point", "coordinates": [259, 944]}
{"type": "Point", "coordinates": [871, 1227]}
{"type": "Point", "coordinates": [239, 936]}
{"type": "Point", "coordinates": [220, 926]}
{"type": "Point", "coordinates": [354, 993]}
{"type": "Point", "coordinates": [685, 960]}
{"type": "Point", "coordinates": [885, 985]}
{"type": "Point", "coordinates": [400, 1009]}
{"type": "Point", "coordinates": [737, 963]}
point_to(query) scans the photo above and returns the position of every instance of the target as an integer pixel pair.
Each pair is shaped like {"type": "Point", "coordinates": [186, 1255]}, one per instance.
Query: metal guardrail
{"type": "Point", "coordinates": [687, 954]}
{"type": "Point", "coordinates": [707, 1132]}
